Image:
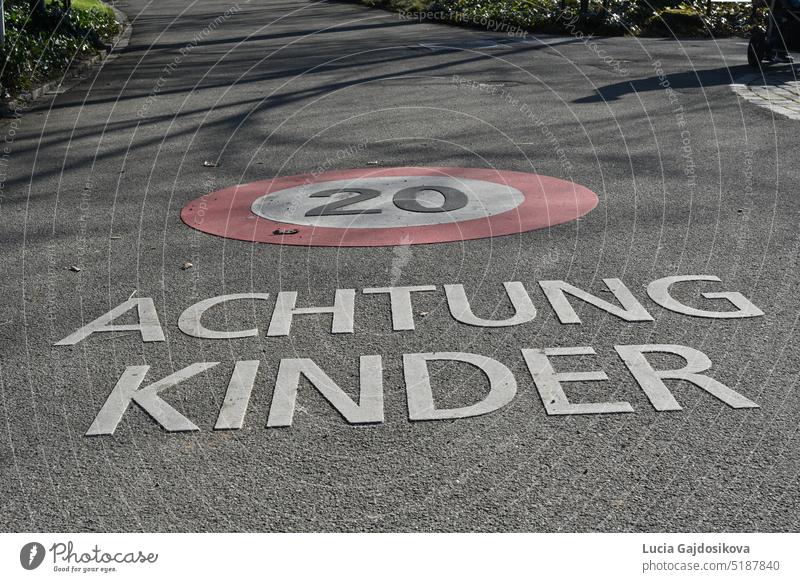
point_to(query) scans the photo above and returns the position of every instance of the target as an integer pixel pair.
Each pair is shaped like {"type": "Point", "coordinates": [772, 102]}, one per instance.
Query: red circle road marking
{"type": "Point", "coordinates": [547, 202]}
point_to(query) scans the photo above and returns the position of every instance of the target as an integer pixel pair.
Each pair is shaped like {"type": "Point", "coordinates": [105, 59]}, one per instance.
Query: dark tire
{"type": "Point", "coordinates": [756, 49]}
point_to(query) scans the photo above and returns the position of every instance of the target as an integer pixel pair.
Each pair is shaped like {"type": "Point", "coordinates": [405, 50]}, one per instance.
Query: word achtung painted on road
{"type": "Point", "coordinates": [499, 383]}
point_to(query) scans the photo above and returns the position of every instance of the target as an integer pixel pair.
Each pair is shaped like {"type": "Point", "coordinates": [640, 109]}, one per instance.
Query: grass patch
{"type": "Point", "coordinates": [87, 5]}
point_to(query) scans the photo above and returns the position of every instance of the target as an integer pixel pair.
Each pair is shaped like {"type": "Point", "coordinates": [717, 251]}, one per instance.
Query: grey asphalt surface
{"type": "Point", "coordinates": [96, 178]}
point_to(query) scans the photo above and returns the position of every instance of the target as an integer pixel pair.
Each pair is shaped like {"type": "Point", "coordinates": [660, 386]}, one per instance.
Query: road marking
{"type": "Point", "coordinates": [297, 205]}
{"type": "Point", "coordinates": [369, 408]}
{"type": "Point", "coordinates": [559, 294]}
{"type": "Point", "coordinates": [388, 206]}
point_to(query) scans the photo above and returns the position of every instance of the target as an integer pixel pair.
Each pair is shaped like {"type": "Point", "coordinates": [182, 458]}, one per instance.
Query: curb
{"type": "Point", "coordinates": [14, 107]}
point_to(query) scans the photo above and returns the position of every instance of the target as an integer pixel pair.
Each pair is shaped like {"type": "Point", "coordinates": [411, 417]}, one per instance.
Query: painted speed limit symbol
{"type": "Point", "coordinates": [388, 206]}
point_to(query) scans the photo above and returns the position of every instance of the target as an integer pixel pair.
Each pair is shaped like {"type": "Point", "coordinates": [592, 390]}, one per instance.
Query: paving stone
{"type": "Point", "coordinates": [777, 91]}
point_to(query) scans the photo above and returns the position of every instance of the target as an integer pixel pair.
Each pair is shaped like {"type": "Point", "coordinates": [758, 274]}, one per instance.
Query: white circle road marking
{"type": "Point", "coordinates": [292, 205]}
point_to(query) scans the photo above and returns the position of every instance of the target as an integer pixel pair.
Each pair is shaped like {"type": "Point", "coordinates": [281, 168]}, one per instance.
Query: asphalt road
{"type": "Point", "coordinates": [690, 179]}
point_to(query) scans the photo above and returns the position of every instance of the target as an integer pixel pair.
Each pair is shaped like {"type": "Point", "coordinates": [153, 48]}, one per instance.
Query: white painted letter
{"type": "Point", "coordinates": [190, 324]}
{"type": "Point", "coordinates": [343, 311]}
{"type": "Point", "coordinates": [237, 397]}
{"type": "Point", "coordinates": [370, 403]}
{"type": "Point", "coordinates": [461, 310]}
{"type": "Point", "coordinates": [502, 386]}
{"type": "Point", "coordinates": [659, 292]}
{"type": "Point", "coordinates": [631, 309]}
{"type": "Point", "coordinates": [652, 383]}
{"type": "Point", "coordinates": [148, 325]}
{"type": "Point", "coordinates": [548, 383]}
{"type": "Point", "coordinates": [127, 389]}
{"type": "Point", "coordinates": [400, 297]}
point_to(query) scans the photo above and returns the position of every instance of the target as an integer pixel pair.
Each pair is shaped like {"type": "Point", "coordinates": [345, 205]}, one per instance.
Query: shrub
{"type": "Point", "coordinates": [682, 21]}
{"type": "Point", "coordinates": [41, 47]}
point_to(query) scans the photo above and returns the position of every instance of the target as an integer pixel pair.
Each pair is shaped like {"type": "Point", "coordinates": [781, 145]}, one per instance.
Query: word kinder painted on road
{"type": "Point", "coordinates": [502, 385]}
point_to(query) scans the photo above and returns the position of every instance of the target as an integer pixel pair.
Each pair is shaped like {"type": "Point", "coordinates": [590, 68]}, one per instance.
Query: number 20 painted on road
{"type": "Point", "coordinates": [406, 199]}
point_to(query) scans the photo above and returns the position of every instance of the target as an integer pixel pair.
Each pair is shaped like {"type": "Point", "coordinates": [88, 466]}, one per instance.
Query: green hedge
{"type": "Point", "coordinates": [619, 17]}
{"type": "Point", "coordinates": [675, 22]}
{"type": "Point", "coordinates": [40, 47]}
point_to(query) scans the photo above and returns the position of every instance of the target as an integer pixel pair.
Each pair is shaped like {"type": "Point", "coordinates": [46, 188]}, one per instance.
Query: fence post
{"type": "Point", "coordinates": [2, 24]}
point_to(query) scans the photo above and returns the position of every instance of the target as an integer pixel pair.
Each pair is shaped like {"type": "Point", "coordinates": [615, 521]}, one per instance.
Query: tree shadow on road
{"type": "Point", "coordinates": [692, 79]}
